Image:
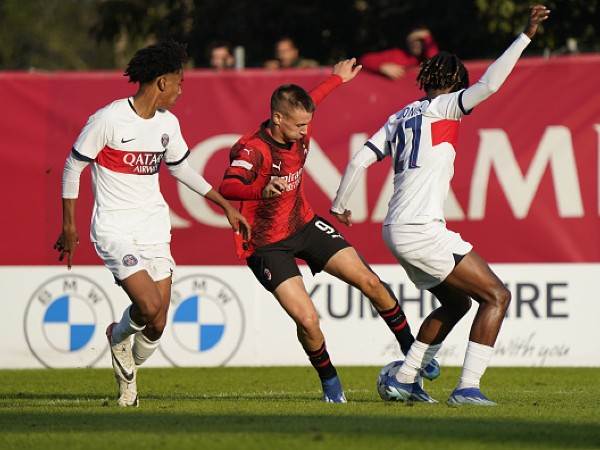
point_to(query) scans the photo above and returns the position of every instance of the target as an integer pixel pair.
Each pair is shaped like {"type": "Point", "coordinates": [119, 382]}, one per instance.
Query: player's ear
{"type": "Point", "coordinates": [277, 116]}
{"type": "Point", "coordinates": [161, 83]}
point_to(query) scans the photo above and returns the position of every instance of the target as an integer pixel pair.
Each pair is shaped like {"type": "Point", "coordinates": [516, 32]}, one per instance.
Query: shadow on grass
{"type": "Point", "coordinates": [265, 396]}
{"type": "Point", "coordinates": [511, 433]}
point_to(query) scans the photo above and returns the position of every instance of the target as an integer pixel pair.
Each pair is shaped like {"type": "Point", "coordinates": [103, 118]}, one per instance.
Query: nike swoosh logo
{"type": "Point", "coordinates": [128, 376]}
{"type": "Point", "coordinates": [123, 141]}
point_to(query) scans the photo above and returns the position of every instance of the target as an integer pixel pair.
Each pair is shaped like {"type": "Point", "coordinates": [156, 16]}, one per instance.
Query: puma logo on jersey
{"type": "Point", "coordinates": [246, 150]}
{"type": "Point", "coordinates": [277, 166]}
{"type": "Point", "coordinates": [125, 141]}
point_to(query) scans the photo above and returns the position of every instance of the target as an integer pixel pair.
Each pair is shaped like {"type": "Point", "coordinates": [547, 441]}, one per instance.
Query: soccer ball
{"type": "Point", "coordinates": [389, 370]}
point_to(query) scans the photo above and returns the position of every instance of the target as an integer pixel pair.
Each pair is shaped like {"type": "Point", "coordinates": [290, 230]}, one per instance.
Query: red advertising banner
{"type": "Point", "coordinates": [525, 189]}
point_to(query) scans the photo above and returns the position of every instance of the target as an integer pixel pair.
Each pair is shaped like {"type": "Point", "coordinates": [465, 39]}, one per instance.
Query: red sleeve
{"type": "Point", "coordinates": [430, 47]}
{"type": "Point", "coordinates": [241, 180]}
{"type": "Point", "coordinates": [325, 88]}
{"type": "Point", "coordinates": [372, 61]}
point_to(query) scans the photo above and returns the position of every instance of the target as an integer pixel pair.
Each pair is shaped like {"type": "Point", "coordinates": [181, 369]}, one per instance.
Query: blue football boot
{"type": "Point", "coordinates": [469, 396]}
{"type": "Point", "coordinates": [332, 390]}
{"type": "Point", "coordinates": [403, 392]}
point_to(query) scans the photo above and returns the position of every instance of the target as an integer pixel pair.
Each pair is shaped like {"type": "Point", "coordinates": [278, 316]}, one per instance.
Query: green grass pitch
{"type": "Point", "coordinates": [279, 408]}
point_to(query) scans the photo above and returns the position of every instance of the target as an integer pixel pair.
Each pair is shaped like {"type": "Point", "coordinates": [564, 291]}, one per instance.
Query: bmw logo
{"type": "Point", "coordinates": [206, 322]}
{"type": "Point", "coordinates": [64, 322]}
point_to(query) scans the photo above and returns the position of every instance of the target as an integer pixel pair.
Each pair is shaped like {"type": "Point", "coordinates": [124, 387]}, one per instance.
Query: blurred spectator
{"type": "Point", "coordinates": [288, 56]}
{"type": "Point", "coordinates": [393, 62]}
{"type": "Point", "coordinates": [220, 56]}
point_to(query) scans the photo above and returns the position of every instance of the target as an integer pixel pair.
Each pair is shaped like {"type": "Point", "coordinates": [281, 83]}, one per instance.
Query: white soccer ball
{"type": "Point", "coordinates": [389, 370]}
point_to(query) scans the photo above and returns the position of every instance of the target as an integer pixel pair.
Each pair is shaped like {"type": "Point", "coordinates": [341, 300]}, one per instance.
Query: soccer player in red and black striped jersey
{"type": "Point", "coordinates": [265, 173]}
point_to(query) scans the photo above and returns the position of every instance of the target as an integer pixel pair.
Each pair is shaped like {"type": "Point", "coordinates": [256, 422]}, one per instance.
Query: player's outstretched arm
{"type": "Point", "coordinates": [235, 218]}
{"type": "Point", "coordinates": [498, 71]}
{"type": "Point", "coordinates": [196, 182]}
{"type": "Point", "coordinates": [354, 171]}
{"type": "Point", "coordinates": [344, 71]}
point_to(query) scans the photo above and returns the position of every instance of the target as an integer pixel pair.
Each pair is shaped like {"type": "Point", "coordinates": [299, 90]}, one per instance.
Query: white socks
{"type": "Point", "coordinates": [477, 359]}
{"type": "Point", "coordinates": [143, 348]}
{"type": "Point", "coordinates": [419, 355]}
{"type": "Point", "coordinates": [125, 328]}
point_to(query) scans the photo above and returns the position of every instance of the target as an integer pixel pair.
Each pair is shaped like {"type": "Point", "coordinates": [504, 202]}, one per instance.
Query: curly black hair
{"type": "Point", "coordinates": [442, 71]}
{"type": "Point", "coordinates": [156, 60]}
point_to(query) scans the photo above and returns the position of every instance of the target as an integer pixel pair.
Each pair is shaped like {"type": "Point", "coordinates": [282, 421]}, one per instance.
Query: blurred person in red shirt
{"type": "Point", "coordinates": [393, 62]}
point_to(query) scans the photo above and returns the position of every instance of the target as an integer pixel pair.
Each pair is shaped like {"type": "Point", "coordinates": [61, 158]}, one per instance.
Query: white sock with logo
{"type": "Point", "coordinates": [419, 355]}
{"type": "Point", "coordinates": [477, 358]}
{"type": "Point", "coordinates": [143, 348]}
{"type": "Point", "coordinates": [125, 328]}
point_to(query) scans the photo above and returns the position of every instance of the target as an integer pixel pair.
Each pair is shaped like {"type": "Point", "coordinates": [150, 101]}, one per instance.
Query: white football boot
{"type": "Point", "coordinates": [124, 368]}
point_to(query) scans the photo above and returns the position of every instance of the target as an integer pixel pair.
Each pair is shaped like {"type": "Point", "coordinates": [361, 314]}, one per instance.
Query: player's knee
{"type": "Point", "coordinates": [150, 307]}
{"type": "Point", "coordinates": [370, 284]}
{"type": "Point", "coordinates": [308, 322]}
{"type": "Point", "coordinates": [463, 307]}
{"type": "Point", "coordinates": [500, 297]}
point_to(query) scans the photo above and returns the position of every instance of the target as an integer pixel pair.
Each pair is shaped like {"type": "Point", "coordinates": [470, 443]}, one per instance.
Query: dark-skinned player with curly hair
{"type": "Point", "coordinates": [421, 140]}
{"type": "Point", "coordinates": [125, 143]}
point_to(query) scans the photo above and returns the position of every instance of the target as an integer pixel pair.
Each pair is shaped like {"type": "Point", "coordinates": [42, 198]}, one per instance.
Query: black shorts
{"type": "Point", "coordinates": [315, 243]}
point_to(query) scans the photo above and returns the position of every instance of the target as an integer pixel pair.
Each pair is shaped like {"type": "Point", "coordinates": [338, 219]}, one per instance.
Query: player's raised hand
{"type": "Point", "coordinates": [345, 217]}
{"type": "Point", "coordinates": [276, 186]}
{"type": "Point", "coordinates": [537, 15]}
{"type": "Point", "coordinates": [347, 69]}
{"type": "Point", "coordinates": [65, 244]}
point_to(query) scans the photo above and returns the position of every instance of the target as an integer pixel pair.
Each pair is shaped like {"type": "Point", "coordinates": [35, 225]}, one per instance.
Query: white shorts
{"type": "Point", "coordinates": [125, 258]}
{"type": "Point", "coordinates": [426, 251]}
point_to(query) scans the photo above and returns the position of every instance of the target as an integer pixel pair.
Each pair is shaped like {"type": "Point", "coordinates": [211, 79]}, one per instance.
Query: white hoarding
{"type": "Point", "coordinates": [220, 315]}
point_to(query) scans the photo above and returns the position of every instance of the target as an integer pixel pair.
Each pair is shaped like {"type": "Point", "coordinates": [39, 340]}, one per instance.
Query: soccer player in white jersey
{"type": "Point", "coordinates": [421, 139]}
{"type": "Point", "coordinates": [125, 142]}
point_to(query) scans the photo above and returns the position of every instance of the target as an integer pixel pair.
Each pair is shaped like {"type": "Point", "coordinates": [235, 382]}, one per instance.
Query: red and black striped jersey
{"type": "Point", "coordinates": [254, 159]}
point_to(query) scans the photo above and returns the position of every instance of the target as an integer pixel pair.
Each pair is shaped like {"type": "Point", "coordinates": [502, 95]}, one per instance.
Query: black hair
{"type": "Point", "coordinates": [156, 60]}
{"type": "Point", "coordinates": [291, 96]}
{"type": "Point", "coordinates": [286, 37]}
{"type": "Point", "coordinates": [218, 44]}
{"type": "Point", "coordinates": [442, 71]}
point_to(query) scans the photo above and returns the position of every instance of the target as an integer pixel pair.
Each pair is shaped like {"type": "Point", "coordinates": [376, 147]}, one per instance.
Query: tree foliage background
{"type": "Point", "coordinates": [101, 34]}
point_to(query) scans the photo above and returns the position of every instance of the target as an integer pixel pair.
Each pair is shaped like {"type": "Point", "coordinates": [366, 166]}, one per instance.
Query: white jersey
{"type": "Point", "coordinates": [420, 139]}
{"type": "Point", "coordinates": [126, 151]}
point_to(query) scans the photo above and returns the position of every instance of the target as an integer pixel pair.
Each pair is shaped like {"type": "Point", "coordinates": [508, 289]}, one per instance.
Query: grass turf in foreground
{"type": "Point", "coordinates": [263, 408]}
